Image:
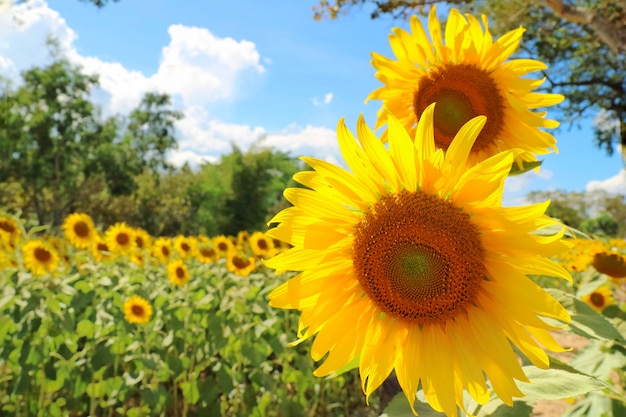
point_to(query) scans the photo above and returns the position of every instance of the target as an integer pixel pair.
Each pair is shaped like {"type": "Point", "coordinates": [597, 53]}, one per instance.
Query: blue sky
{"type": "Point", "coordinates": [244, 70]}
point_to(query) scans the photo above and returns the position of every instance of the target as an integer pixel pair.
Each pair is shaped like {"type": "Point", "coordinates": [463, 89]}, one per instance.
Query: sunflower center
{"type": "Point", "coordinates": [611, 264]}
{"type": "Point", "coordinates": [462, 92]}
{"type": "Point", "coordinates": [81, 229]}
{"type": "Point", "coordinates": [137, 310]}
{"type": "Point", "coordinates": [262, 244]}
{"type": "Point", "coordinates": [597, 299]}
{"type": "Point", "coordinates": [222, 246]}
{"type": "Point", "coordinates": [165, 251]}
{"type": "Point", "coordinates": [207, 252]}
{"type": "Point", "coordinates": [42, 255]}
{"type": "Point", "coordinates": [122, 239]}
{"type": "Point", "coordinates": [418, 257]}
{"type": "Point", "coordinates": [185, 247]}
{"type": "Point", "coordinates": [7, 226]}
{"type": "Point", "coordinates": [180, 273]}
{"type": "Point", "coordinates": [240, 263]}
{"type": "Point", "coordinates": [139, 242]}
{"type": "Point", "coordinates": [102, 247]}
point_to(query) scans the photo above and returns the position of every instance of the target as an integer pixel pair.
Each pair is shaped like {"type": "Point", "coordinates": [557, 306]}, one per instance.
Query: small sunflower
{"type": "Point", "coordinates": [185, 246]}
{"type": "Point", "coordinates": [79, 230]}
{"type": "Point", "coordinates": [599, 299]}
{"type": "Point", "coordinates": [239, 264]}
{"type": "Point", "coordinates": [40, 257]}
{"type": "Point", "coordinates": [261, 245]}
{"type": "Point", "coordinates": [223, 246]}
{"type": "Point", "coordinates": [10, 232]}
{"type": "Point", "coordinates": [120, 238]}
{"type": "Point", "coordinates": [206, 255]}
{"type": "Point", "coordinates": [137, 310]}
{"type": "Point", "coordinates": [612, 264]}
{"type": "Point", "coordinates": [467, 75]}
{"type": "Point", "coordinates": [100, 250]}
{"type": "Point", "coordinates": [177, 272]}
{"type": "Point", "coordinates": [143, 240]}
{"type": "Point", "coordinates": [409, 263]}
{"type": "Point", "coordinates": [162, 249]}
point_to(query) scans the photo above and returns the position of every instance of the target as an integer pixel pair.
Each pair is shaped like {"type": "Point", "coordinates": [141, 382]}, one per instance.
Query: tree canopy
{"type": "Point", "coordinates": [582, 42]}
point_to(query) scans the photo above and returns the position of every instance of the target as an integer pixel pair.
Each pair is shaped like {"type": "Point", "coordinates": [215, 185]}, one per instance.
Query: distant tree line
{"type": "Point", "coordinates": [60, 155]}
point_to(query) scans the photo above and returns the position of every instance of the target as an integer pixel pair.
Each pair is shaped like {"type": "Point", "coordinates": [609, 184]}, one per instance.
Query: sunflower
{"type": "Point", "coordinates": [120, 238]}
{"type": "Point", "coordinates": [137, 310]}
{"type": "Point", "coordinates": [79, 230]}
{"type": "Point", "coordinates": [10, 232]}
{"type": "Point", "coordinates": [261, 245]}
{"type": "Point", "coordinates": [162, 249]}
{"type": "Point", "coordinates": [468, 75]}
{"type": "Point", "coordinates": [185, 246]}
{"type": "Point", "coordinates": [143, 240]}
{"type": "Point", "coordinates": [410, 263]}
{"type": "Point", "coordinates": [612, 264]}
{"type": "Point", "coordinates": [223, 245]}
{"type": "Point", "coordinates": [599, 299]}
{"type": "Point", "coordinates": [40, 257]}
{"type": "Point", "coordinates": [100, 250]}
{"type": "Point", "coordinates": [240, 264]}
{"type": "Point", "coordinates": [177, 272]}
{"type": "Point", "coordinates": [206, 255]}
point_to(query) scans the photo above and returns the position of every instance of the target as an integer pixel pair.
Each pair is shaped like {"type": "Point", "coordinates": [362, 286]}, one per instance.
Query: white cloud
{"type": "Point", "coordinates": [615, 184]}
{"type": "Point", "coordinates": [517, 187]}
{"type": "Point", "coordinates": [179, 158]}
{"type": "Point", "coordinates": [310, 140]}
{"type": "Point", "coordinates": [326, 100]}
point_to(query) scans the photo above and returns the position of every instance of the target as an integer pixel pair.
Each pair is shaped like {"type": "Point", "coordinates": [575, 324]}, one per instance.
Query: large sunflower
{"type": "Point", "coordinates": [410, 263]}
{"type": "Point", "coordinates": [10, 232]}
{"type": "Point", "coordinates": [120, 238]}
{"type": "Point", "coordinates": [79, 230]}
{"type": "Point", "coordinates": [467, 74]}
{"type": "Point", "coordinates": [39, 257]}
{"type": "Point", "coordinates": [137, 310]}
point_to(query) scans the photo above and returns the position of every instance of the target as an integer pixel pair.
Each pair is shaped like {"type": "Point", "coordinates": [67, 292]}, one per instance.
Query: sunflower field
{"type": "Point", "coordinates": [125, 324]}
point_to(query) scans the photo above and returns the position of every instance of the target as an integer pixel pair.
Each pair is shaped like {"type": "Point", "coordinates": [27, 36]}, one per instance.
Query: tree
{"type": "Point", "coordinates": [582, 42]}
{"type": "Point", "coordinates": [602, 225]}
{"type": "Point", "coordinates": [57, 144]}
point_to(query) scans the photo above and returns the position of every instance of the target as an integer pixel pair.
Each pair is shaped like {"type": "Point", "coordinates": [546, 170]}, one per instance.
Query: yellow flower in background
{"type": "Point", "coordinates": [599, 299]}
{"type": "Point", "coordinates": [239, 264]}
{"type": "Point", "coordinates": [79, 230]}
{"type": "Point", "coordinates": [185, 246]}
{"type": "Point", "coordinates": [40, 257]}
{"type": "Point", "coordinates": [223, 246]}
{"type": "Point", "coordinates": [143, 240]}
{"type": "Point", "coordinates": [137, 310]}
{"type": "Point", "coordinates": [612, 264]}
{"type": "Point", "coordinates": [206, 255]}
{"type": "Point", "coordinates": [467, 74]}
{"type": "Point", "coordinates": [162, 249]}
{"type": "Point", "coordinates": [10, 232]}
{"type": "Point", "coordinates": [409, 263]}
{"type": "Point", "coordinates": [177, 272]}
{"type": "Point", "coordinates": [261, 245]}
{"type": "Point", "coordinates": [120, 238]}
{"type": "Point", "coordinates": [243, 237]}
{"type": "Point", "coordinates": [100, 250]}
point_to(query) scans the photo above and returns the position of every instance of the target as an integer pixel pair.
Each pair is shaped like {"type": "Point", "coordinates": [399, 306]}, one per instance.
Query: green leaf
{"type": "Point", "coordinates": [586, 321]}
{"type": "Point", "coordinates": [556, 384]}
{"type": "Point", "coordinates": [399, 407]}
{"type": "Point", "coordinates": [85, 328]}
{"type": "Point", "coordinates": [190, 391]}
{"type": "Point", "coordinates": [496, 408]}
{"type": "Point", "coordinates": [526, 166]}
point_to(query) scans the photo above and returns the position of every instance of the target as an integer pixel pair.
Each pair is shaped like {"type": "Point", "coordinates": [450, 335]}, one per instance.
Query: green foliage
{"type": "Point", "coordinates": [602, 225]}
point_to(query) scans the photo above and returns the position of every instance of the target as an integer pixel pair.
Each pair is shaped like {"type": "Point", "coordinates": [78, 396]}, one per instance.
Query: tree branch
{"type": "Point", "coordinates": [611, 33]}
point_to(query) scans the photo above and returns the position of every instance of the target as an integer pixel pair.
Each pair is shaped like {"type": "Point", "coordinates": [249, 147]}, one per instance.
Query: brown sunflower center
{"type": "Point", "coordinates": [207, 252]}
{"type": "Point", "coordinates": [185, 247]}
{"type": "Point", "coordinates": [165, 251]}
{"type": "Point", "coordinates": [81, 229]}
{"type": "Point", "coordinates": [262, 244]}
{"type": "Point", "coordinates": [597, 299]}
{"type": "Point", "coordinates": [418, 257]}
{"type": "Point", "coordinates": [462, 92]}
{"type": "Point", "coordinates": [7, 226]}
{"type": "Point", "coordinates": [138, 310]}
{"type": "Point", "coordinates": [139, 242]}
{"type": "Point", "coordinates": [180, 273]}
{"type": "Point", "coordinates": [240, 263]}
{"type": "Point", "coordinates": [102, 247]}
{"type": "Point", "coordinates": [611, 264]}
{"type": "Point", "coordinates": [222, 246]}
{"type": "Point", "coordinates": [42, 255]}
{"type": "Point", "coordinates": [122, 238]}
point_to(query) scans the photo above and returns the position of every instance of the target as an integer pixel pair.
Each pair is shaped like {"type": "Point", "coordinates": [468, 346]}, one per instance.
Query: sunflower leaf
{"type": "Point", "coordinates": [556, 384]}
{"type": "Point", "coordinates": [586, 321]}
{"type": "Point", "coordinates": [526, 166]}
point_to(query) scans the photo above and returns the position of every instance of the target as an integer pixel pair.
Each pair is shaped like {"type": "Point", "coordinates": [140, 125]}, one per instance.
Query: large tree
{"type": "Point", "coordinates": [583, 42]}
{"type": "Point", "coordinates": [54, 141]}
